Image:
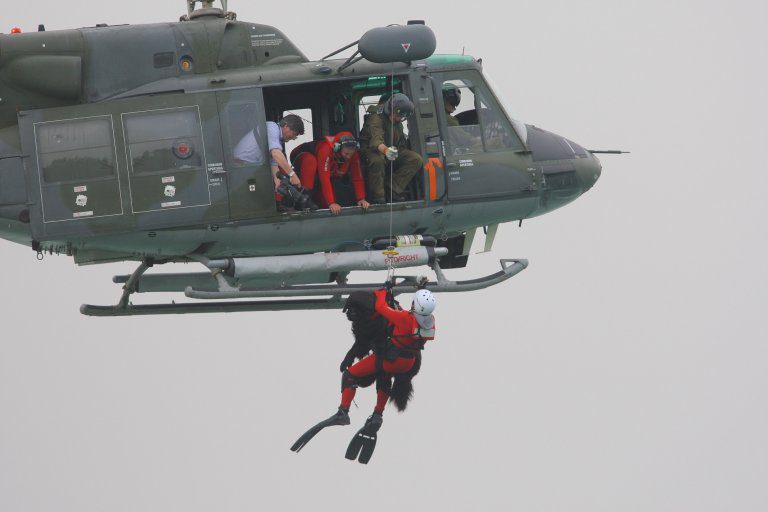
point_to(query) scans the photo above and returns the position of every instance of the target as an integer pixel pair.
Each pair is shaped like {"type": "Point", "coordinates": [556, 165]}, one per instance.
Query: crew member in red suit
{"type": "Point", "coordinates": [411, 330]}
{"type": "Point", "coordinates": [332, 158]}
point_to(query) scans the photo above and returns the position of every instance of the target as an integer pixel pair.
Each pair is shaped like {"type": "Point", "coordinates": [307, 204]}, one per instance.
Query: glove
{"type": "Point", "coordinates": [391, 153]}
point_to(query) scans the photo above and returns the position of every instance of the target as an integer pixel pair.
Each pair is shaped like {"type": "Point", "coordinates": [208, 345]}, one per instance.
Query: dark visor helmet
{"type": "Point", "coordinates": [400, 105]}
{"type": "Point", "coordinates": [451, 94]}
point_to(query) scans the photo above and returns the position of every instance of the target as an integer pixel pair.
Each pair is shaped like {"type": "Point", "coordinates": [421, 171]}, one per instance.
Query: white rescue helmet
{"type": "Point", "coordinates": [423, 303]}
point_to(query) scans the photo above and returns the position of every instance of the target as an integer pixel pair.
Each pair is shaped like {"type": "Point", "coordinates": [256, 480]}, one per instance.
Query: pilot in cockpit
{"type": "Point", "coordinates": [460, 138]}
{"type": "Point", "coordinates": [451, 100]}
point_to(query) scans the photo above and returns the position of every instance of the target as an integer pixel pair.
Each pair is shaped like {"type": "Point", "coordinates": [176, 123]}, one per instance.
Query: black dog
{"type": "Point", "coordinates": [371, 334]}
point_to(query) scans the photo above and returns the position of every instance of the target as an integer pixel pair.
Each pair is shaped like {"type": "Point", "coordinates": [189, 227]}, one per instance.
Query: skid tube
{"type": "Point", "coordinates": [227, 304]}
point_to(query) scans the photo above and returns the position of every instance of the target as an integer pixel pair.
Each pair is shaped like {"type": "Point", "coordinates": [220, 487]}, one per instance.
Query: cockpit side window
{"type": "Point", "coordinates": [461, 122]}
{"type": "Point", "coordinates": [473, 121]}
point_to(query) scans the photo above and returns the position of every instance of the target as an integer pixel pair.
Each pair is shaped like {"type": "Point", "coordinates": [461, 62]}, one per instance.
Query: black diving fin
{"type": "Point", "coordinates": [364, 442]}
{"type": "Point", "coordinates": [340, 418]}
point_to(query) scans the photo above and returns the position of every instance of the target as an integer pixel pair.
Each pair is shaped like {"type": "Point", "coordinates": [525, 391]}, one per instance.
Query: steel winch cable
{"type": "Point", "coordinates": [391, 248]}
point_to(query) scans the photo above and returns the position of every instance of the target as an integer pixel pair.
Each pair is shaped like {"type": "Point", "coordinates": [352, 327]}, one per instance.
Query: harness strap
{"type": "Point", "coordinates": [419, 341]}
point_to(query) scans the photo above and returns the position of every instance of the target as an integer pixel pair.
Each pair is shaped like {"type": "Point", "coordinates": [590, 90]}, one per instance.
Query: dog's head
{"type": "Point", "coordinates": [359, 305]}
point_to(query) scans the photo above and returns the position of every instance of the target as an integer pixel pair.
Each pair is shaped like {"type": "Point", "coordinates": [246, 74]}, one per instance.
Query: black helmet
{"type": "Point", "coordinates": [400, 105]}
{"type": "Point", "coordinates": [451, 94]}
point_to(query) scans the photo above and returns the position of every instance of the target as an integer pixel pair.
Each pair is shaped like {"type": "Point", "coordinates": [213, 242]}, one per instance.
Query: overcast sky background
{"type": "Point", "coordinates": [626, 369]}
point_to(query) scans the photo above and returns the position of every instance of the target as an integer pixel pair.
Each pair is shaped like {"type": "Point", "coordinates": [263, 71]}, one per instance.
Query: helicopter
{"type": "Point", "coordinates": [132, 159]}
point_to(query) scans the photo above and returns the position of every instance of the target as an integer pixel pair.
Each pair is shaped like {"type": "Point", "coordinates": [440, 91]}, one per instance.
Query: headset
{"type": "Point", "coordinates": [345, 141]}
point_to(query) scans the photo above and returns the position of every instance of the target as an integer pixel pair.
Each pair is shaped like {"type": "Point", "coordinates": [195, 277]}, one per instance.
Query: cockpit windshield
{"type": "Point", "coordinates": [519, 126]}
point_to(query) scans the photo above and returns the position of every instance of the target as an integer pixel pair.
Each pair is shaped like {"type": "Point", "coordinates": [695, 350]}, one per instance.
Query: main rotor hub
{"type": "Point", "coordinates": [207, 9]}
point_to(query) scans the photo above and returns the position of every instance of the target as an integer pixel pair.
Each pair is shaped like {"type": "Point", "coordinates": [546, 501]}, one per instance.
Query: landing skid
{"type": "Point", "coordinates": [210, 307]}
{"type": "Point", "coordinates": [226, 294]}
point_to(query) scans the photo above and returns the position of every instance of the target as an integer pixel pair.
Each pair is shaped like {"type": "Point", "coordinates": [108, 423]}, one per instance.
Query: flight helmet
{"type": "Point", "coordinates": [399, 104]}
{"type": "Point", "coordinates": [451, 94]}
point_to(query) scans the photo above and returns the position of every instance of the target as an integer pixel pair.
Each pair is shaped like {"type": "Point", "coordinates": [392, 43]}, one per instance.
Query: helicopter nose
{"type": "Point", "coordinates": [589, 172]}
{"type": "Point", "coordinates": [549, 146]}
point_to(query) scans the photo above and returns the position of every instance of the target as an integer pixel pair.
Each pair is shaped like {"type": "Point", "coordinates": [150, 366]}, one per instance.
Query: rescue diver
{"type": "Point", "coordinates": [382, 138]}
{"type": "Point", "coordinates": [408, 333]}
{"type": "Point", "coordinates": [333, 160]}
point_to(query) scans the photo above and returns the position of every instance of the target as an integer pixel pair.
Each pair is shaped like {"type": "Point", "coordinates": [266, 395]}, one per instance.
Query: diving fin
{"type": "Point", "coordinates": [364, 442]}
{"type": "Point", "coordinates": [340, 418]}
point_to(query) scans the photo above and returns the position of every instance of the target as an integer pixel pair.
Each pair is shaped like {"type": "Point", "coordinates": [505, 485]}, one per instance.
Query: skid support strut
{"type": "Point", "coordinates": [129, 288]}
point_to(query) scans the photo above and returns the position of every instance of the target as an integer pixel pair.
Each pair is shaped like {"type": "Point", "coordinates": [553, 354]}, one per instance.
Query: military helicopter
{"type": "Point", "coordinates": [131, 159]}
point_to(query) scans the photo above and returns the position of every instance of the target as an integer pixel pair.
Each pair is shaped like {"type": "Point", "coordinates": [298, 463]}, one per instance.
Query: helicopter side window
{"type": "Point", "coordinates": [164, 140]}
{"type": "Point", "coordinates": [370, 105]}
{"type": "Point", "coordinates": [243, 123]}
{"type": "Point", "coordinates": [167, 159]}
{"type": "Point", "coordinates": [76, 150]}
{"type": "Point", "coordinates": [77, 162]}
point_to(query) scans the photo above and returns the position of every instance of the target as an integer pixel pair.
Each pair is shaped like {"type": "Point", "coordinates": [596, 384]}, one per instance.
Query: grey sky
{"type": "Point", "coordinates": [626, 369]}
